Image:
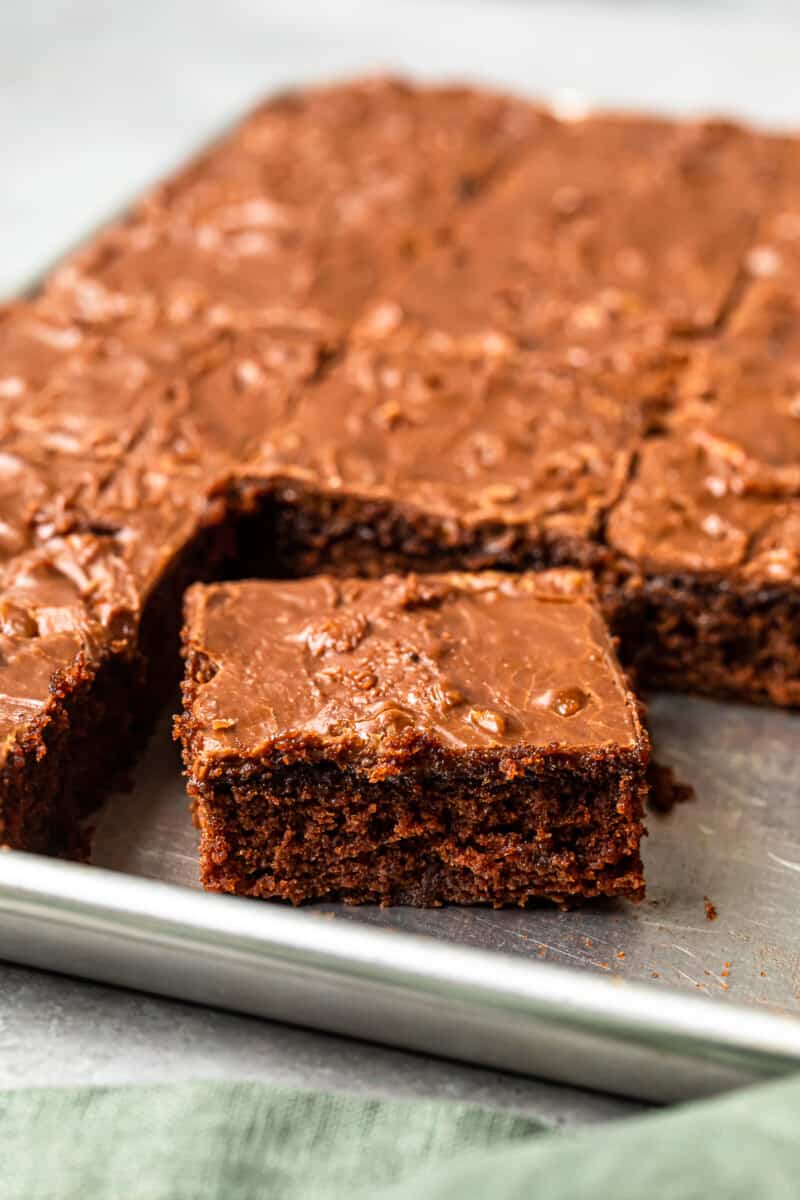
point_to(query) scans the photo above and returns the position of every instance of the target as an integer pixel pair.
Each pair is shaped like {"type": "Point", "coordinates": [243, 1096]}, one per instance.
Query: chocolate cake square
{"type": "Point", "coordinates": [706, 536]}
{"type": "Point", "coordinates": [412, 739]}
{"type": "Point", "coordinates": [408, 455]}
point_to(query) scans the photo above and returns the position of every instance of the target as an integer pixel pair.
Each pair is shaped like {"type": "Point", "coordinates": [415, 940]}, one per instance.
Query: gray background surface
{"type": "Point", "coordinates": [98, 98]}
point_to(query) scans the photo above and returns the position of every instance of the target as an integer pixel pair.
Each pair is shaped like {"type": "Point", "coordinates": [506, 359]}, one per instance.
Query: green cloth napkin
{"type": "Point", "coordinates": [248, 1141]}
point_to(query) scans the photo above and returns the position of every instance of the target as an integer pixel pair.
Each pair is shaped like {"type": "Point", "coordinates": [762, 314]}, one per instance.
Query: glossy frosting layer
{"type": "Point", "coordinates": [368, 670]}
{"type": "Point", "coordinates": [437, 298]}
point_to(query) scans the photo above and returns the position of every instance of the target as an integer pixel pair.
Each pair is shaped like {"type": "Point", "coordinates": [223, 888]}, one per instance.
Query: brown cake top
{"type": "Point", "coordinates": [309, 204]}
{"type": "Point", "coordinates": [497, 438]}
{"type": "Point", "coordinates": [605, 225]}
{"type": "Point", "coordinates": [63, 606]}
{"type": "Point", "coordinates": [436, 297]}
{"type": "Point", "coordinates": [379, 670]}
{"type": "Point", "coordinates": [681, 514]}
{"type": "Point", "coordinates": [719, 491]}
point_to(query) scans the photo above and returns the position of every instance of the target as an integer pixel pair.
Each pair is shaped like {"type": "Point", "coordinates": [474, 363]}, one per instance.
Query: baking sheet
{"type": "Point", "coordinates": [695, 989]}
{"type": "Point", "coordinates": [733, 850]}
{"type": "Point", "coordinates": [655, 1001]}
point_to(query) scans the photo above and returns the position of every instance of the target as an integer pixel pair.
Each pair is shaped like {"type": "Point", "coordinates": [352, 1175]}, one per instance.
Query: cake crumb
{"type": "Point", "coordinates": [666, 790]}
{"type": "Point", "coordinates": [223, 723]}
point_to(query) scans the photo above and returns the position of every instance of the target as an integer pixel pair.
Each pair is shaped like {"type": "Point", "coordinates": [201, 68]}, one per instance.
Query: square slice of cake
{"type": "Point", "coordinates": [412, 739]}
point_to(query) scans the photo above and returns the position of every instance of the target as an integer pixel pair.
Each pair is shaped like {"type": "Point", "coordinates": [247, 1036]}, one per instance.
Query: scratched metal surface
{"type": "Point", "coordinates": [736, 846]}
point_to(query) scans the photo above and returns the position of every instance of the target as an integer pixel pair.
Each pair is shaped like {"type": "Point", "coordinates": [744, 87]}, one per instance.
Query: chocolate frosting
{"type": "Point", "coordinates": [310, 203]}
{"type": "Point", "coordinates": [684, 512]}
{"type": "Point", "coordinates": [499, 439]}
{"type": "Point", "coordinates": [604, 226]}
{"type": "Point", "coordinates": [442, 298]}
{"type": "Point", "coordinates": [719, 492]}
{"type": "Point", "coordinates": [366, 670]}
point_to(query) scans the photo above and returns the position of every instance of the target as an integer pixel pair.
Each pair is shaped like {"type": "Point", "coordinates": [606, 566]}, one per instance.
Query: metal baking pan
{"type": "Point", "coordinates": [661, 1001]}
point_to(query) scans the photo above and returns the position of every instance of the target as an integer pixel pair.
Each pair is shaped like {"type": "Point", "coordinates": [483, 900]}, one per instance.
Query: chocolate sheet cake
{"type": "Point", "coordinates": [385, 328]}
